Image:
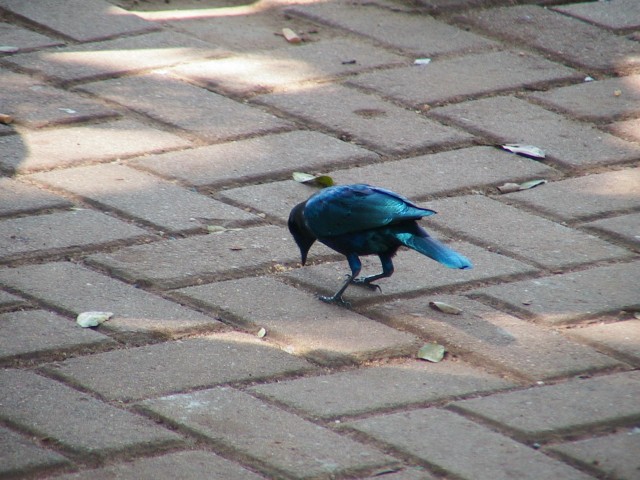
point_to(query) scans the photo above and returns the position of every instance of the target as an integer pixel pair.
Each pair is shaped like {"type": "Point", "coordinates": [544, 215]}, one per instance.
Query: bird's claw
{"type": "Point", "coordinates": [363, 282]}
{"type": "Point", "coordinates": [337, 300]}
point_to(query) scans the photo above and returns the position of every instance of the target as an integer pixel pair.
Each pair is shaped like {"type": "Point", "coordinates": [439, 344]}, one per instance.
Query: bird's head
{"type": "Point", "coordinates": [303, 236]}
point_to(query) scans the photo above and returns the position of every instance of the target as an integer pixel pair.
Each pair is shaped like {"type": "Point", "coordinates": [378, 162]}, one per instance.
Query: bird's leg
{"type": "Point", "coordinates": [356, 266]}
{"type": "Point", "coordinates": [387, 271]}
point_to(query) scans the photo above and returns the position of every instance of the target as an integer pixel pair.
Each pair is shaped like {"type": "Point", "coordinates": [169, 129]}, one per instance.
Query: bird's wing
{"type": "Point", "coordinates": [354, 208]}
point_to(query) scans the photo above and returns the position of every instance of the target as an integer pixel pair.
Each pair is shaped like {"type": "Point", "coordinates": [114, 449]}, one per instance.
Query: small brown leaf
{"type": "Point", "coordinates": [445, 308]}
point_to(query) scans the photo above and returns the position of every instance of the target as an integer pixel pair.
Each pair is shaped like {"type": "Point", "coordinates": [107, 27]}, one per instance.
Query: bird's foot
{"type": "Point", "coordinates": [335, 299]}
{"type": "Point", "coordinates": [366, 283]}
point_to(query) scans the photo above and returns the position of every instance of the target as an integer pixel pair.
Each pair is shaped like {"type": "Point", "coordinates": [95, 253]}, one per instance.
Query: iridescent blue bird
{"type": "Point", "coordinates": [360, 219]}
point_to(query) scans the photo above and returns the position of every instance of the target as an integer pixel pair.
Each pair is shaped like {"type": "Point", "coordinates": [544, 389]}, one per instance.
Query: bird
{"type": "Point", "coordinates": [358, 220]}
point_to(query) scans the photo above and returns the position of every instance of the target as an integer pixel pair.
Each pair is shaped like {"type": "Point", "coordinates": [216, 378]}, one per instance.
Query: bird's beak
{"type": "Point", "coordinates": [300, 232]}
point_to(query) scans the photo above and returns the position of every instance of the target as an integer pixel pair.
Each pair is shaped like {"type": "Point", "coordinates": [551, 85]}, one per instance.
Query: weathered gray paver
{"type": "Point", "coordinates": [618, 15]}
{"type": "Point", "coordinates": [512, 120]}
{"type": "Point", "coordinates": [585, 197]}
{"type": "Point", "coordinates": [62, 147]}
{"type": "Point", "coordinates": [418, 35]}
{"type": "Point", "coordinates": [20, 197]}
{"type": "Point", "coordinates": [37, 104]}
{"type": "Point", "coordinates": [413, 273]}
{"type": "Point", "coordinates": [30, 333]}
{"type": "Point", "coordinates": [280, 442]}
{"type": "Point", "coordinates": [437, 174]}
{"type": "Point", "coordinates": [544, 242]}
{"type": "Point", "coordinates": [145, 197]}
{"type": "Point", "coordinates": [199, 111]}
{"type": "Point", "coordinates": [133, 374]}
{"type": "Point", "coordinates": [326, 333]}
{"type": "Point", "coordinates": [604, 100]}
{"type": "Point", "coordinates": [380, 387]}
{"type": "Point", "coordinates": [271, 156]}
{"type": "Point", "coordinates": [411, 473]}
{"type": "Point", "coordinates": [365, 118]}
{"type": "Point", "coordinates": [82, 20]}
{"type": "Point", "coordinates": [180, 262]}
{"type": "Point", "coordinates": [561, 36]}
{"type": "Point", "coordinates": [578, 405]}
{"type": "Point", "coordinates": [490, 337]}
{"type": "Point", "coordinates": [624, 227]}
{"type": "Point", "coordinates": [571, 296]}
{"type": "Point", "coordinates": [186, 465]}
{"type": "Point", "coordinates": [75, 420]}
{"type": "Point", "coordinates": [459, 78]}
{"type": "Point", "coordinates": [63, 231]}
{"type": "Point", "coordinates": [620, 338]}
{"type": "Point", "coordinates": [8, 300]}
{"type": "Point", "coordinates": [75, 289]}
{"type": "Point", "coordinates": [457, 446]}
{"type": "Point", "coordinates": [259, 30]}
{"type": "Point", "coordinates": [20, 456]}
{"type": "Point", "coordinates": [612, 456]}
{"type": "Point", "coordinates": [23, 39]}
{"type": "Point", "coordinates": [627, 129]}
{"type": "Point", "coordinates": [250, 73]}
{"type": "Point", "coordinates": [114, 57]}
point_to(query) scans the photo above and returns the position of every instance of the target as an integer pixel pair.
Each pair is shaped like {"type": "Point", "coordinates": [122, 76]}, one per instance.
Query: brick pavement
{"type": "Point", "coordinates": [147, 172]}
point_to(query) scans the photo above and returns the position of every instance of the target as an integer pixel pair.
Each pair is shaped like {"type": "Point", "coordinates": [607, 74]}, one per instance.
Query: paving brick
{"type": "Point", "coordinates": [628, 129]}
{"type": "Point", "coordinates": [255, 72]}
{"type": "Point", "coordinates": [619, 338]}
{"type": "Point", "coordinates": [571, 296]}
{"type": "Point", "coordinates": [255, 31]}
{"type": "Point", "coordinates": [282, 443]}
{"type": "Point", "coordinates": [612, 456]}
{"type": "Point", "coordinates": [62, 231]}
{"type": "Point", "coordinates": [491, 220]}
{"type": "Point", "coordinates": [275, 198]}
{"type": "Point", "coordinates": [604, 100]}
{"type": "Point", "coordinates": [413, 273]}
{"type": "Point", "coordinates": [187, 465]}
{"type": "Point", "coordinates": [380, 387]}
{"type": "Point", "coordinates": [576, 406]}
{"type": "Point", "coordinates": [624, 228]}
{"type": "Point", "coordinates": [365, 118]}
{"type": "Point", "coordinates": [20, 456]}
{"type": "Point", "coordinates": [489, 337]}
{"type": "Point", "coordinates": [271, 156]}
{"type": "Point", "coordinates": [512, 120]}
{"type": "Point", "coordinates": [561, 36]}
{"type": "Point", "coordinates": [18, 197]}
{"type": "Point", "coordinates": [75, 420]}
{"type": "Point", "coordinates": [199, 111]}
{"type": "Point", "coordinates": [175, 263]}
{"type": "Point", "coordinates": [133, 374]}
{"type": "Point", "coordinates": [456, 446]}
{"type": "Point", "coordinates": [145, 197]}
{"type": "Point", "coordinates": [585, 197]}
{"type": "Point", "coordinates": [114, 57]}
{"type": "Point", "coordinates": [63, 147]}
{"type": "Point", "coordinates": [8, 300]}
{"type": "Point", "coordinates": [416, 34]}
{"type": "Point", "coordinates": [618, 15]}
{"type": "Point", "coordinates": [37, 104]}
{"type": "Point", "coordinates": [30, 333]}
{"type": "Point", "coordinates": [82, 20]}
{"type": "Point", "coordinates": [325, 333]}
{"type": "Point", "coordinates": [74, 289]}
{"type": "Point", "coordinates": [23, 39]}
{"type": "Point", "coordinates": [445, 172]}
{"type": "Point", "coordinates": [457, 79]}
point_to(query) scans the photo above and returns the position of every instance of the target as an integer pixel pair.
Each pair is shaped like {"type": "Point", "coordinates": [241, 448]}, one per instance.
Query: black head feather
{"type": "Point", "coordinates": [303, 236]}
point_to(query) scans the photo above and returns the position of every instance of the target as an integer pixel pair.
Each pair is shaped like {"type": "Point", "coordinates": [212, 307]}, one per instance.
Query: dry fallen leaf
{"type": "Point", "coordinates": [93, 319]}
{"type": "Point", "coordinates": [319, 180]}
{"type": "Point", "coordinates": [529, 151]}
{"type": "Point", "coordinates": [445, 308]}
{"type": "Point", "coordinates": [431, 352]}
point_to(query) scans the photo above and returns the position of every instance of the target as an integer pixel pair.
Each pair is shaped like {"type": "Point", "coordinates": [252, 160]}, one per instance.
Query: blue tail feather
{"type": "Point", "coordinates": [432, 248]}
